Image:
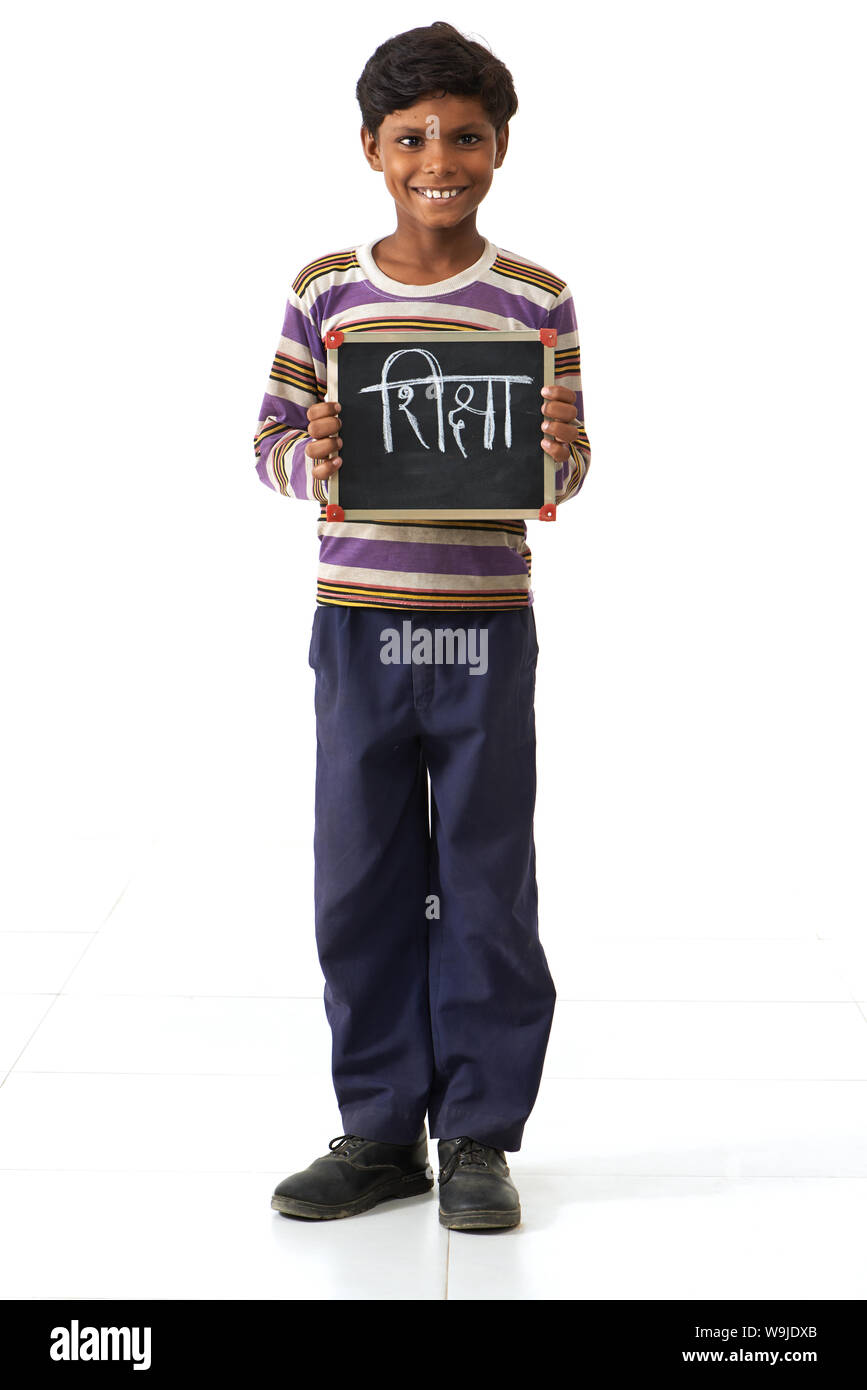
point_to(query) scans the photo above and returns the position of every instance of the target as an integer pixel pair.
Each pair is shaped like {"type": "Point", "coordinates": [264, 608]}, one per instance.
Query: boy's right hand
{"type": "Point", "coordinates": [324, 426]}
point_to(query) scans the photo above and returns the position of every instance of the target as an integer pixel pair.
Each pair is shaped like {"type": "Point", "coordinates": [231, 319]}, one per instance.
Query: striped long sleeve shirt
{"type": "Point", "coordinates": [403, 564]}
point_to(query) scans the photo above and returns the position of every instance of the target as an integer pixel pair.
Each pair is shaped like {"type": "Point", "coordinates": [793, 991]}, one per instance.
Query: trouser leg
{"type": "Point", "coordinates": [371, 851]}
{"type": "Point", "coordinates": [491, 992]}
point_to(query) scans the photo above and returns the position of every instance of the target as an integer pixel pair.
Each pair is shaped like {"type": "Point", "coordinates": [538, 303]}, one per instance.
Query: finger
{"type": "Point", "coordinates": [323, 408]}
{"type": "Point", "coordinates": [324, 428]}
{"type": "Point", "coordinates": [555, 429]}
{"type": "Point", "coordinates": [324, 470]}
{"type": "Point", "coordinates": [322, 448]}
{"type": "Point", "coordinates": [559, 393]}
{"type": "Point", "coordinates": [558, 452]}
{"type": "Point", "coordinates": [559, 410]}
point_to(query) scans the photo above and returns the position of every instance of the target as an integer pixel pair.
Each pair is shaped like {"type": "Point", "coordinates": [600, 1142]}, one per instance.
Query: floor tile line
{"type": "Point", "coordinates": [94, 935]}
{"type": "Point", "coordinates": [29, 1040]}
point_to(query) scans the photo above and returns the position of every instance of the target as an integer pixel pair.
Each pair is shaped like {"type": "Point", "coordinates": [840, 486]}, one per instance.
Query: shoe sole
{"type": "Point", "coordinates": [480, 1220]}
{"type": "Point", "coordinates": [412, 1186]}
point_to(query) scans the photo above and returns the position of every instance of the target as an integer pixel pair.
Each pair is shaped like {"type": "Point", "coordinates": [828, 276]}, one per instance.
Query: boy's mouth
{"type": "Point", "coordinates": [440, 195]}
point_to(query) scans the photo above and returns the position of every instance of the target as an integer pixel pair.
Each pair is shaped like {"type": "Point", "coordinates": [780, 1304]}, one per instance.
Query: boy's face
{"type": "Point", "coordinates": [440, 143]}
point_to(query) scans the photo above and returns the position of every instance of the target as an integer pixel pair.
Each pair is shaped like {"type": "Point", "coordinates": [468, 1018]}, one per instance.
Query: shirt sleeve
{"type": "Point", "coordinates": [570, 474]}
{"type": "Point", "coordinates": [297, 380]}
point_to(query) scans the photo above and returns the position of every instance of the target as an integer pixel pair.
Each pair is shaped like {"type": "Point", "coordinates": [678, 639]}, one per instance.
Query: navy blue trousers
{"type": "Point", "coordinates": [437, 989]}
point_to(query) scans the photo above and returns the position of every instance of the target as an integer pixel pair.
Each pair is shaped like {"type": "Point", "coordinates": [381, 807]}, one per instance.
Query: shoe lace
{"type": "Point", "coordinates": [469, 1153]}
{"type": "Point", "coordinates": [346, 1143]}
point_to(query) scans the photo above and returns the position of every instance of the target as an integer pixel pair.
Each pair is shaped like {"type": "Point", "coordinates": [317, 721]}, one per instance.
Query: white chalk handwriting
{"type": "Point", "coordinates": [433, 384]}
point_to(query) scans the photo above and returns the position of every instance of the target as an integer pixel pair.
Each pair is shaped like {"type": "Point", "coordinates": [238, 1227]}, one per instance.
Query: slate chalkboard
{"type": "Point", "coordinates": [441, 424]}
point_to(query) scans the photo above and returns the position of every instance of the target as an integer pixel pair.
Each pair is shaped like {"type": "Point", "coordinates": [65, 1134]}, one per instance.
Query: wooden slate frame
{"type": "Point", "coordinates": [548, 338]}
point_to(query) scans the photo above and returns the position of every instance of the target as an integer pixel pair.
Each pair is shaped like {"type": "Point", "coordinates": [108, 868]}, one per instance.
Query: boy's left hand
{"type": "Point", "coordinates": [560, 427]}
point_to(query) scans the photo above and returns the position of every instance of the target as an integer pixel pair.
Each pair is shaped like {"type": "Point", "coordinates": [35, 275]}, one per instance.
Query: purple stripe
{"type": "Point", "coordinates": [298, 469]}
{"type": "Point", "coordinates": [263, 473]}
{"type": "Point", "coordinates": [335, 300]}
{"type": "Point", "coordinates": [409, 557]}
{"type": "Point", "coordinates": [563, 318]}
{"type": "Point", "coordinates": [287, 413]}
{"type": "Point", "coordinates": [298, 327]}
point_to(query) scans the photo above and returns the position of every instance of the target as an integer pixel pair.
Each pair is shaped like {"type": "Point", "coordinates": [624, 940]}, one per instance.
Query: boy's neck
{"type": "Point", "coordinates": [416, 255]}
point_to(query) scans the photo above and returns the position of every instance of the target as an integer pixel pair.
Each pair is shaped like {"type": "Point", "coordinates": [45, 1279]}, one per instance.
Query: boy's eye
{"type": "Point", "coordinates": [467, 136]}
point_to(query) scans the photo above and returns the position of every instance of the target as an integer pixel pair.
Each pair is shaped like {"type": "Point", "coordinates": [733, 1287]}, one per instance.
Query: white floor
{"type": "Point", "coordinates": [164, 1061]}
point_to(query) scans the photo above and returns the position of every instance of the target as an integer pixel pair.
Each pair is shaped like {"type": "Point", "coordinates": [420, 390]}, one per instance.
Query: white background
{"type": "Point", "coordinates": [695, 172]}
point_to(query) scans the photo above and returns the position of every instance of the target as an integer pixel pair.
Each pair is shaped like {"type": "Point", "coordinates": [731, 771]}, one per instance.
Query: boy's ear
{"type": "Point", "coordinates": [502, 145]}
{"type": "Point", "coordinates": [371, 149]}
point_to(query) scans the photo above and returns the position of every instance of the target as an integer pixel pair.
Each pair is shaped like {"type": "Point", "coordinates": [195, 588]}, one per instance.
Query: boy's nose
{"type": "Point", "coordinates": [439, 174]}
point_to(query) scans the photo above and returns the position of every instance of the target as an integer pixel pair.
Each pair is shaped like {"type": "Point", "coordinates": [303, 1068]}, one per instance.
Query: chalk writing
{"type": "Point", "coordinates": [434, 383]}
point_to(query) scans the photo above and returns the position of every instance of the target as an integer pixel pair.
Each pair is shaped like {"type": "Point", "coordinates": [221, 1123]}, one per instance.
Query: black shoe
{"type": "Point", "coordinates": [476, 1192]}
{"type": "Point", "coordinates": [355, 1175]}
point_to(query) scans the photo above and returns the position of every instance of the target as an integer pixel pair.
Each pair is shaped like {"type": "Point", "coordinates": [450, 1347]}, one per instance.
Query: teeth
{"type": "Point", "coordinates": [436, 193]}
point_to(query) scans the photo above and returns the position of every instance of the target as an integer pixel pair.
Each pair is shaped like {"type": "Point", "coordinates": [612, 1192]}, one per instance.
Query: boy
{"type": "Point", "coordinates": [437, 989]}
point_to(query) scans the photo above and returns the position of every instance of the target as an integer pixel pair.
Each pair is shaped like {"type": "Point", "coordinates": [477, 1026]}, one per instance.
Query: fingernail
{"type": "Point", "coordinates": [546, 391]}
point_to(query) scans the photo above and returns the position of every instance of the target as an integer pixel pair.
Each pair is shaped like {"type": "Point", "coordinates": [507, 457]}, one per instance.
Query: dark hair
{"type": "Point", "coordinates": [431, 60]}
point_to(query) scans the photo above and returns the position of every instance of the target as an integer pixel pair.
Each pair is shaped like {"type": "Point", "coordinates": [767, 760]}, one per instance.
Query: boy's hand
{"type": "Point", "coordinates": [324, 418]}
{"type": "Point", "coordinates": [560, 428]}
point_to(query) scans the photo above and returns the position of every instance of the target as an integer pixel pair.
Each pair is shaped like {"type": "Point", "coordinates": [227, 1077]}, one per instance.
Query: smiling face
{"type": "Point", "coordinates": [438, 158]}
